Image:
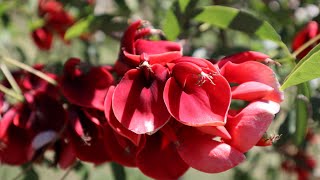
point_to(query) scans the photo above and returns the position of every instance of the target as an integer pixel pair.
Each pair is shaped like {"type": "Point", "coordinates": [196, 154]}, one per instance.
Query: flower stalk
{"type": "Point", "coordinates": [29, 69]}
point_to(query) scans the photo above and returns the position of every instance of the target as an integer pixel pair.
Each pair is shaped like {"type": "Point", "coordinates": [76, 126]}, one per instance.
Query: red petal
{"type": "Point", "coordinates": [159, 159]}
{"type": "Point", "coordinates": [138, 103]}
{"type": "Point", "coordinates": [162, 58]}
{"type": "Point", "coordinates": [85, 89]}
{"type": "Point", "coordinates": [127, 41]}
{"type": "Point", "coordinates": [220, 131]}
{"type": "Point", "coordinates": [120, 149]}
{"type": "Point", "coordinates": [247, 127]}
{"type": "Point", "coordinates": [156, 47]}
{"type": "Point", "coordinates": [207, 155]}
{"type": "Point", "coordinates": [42, 38]}
{"type": "Point", "coordinates": [253, 71]}
{"type": "Point", "coordinates": [204, 105]}
{"type": "Point", "coordinates": [114, 123]}
{"type": "Point", "coordinates": [89, 139]}
{"type": "Point", "coordinates": [307, 33]}
{"type": "Point", "coordinates": [243, 57]}
{"type": "Point", "coordinates": [250, 91]}
{"type": "Point", "coordinates": [16, 146]}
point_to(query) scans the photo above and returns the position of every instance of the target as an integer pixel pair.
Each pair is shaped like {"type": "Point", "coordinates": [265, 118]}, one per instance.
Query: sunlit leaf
{"type": "Point", "coordinates": [305, 70]}
{"type": "Point", "coordinates": [79, 28]}
{"type": "Point", "coordinates": [231, 18]}
{"type": "Point", "coordinates": [183, 5]}
{"type": "Point", "coordinates": [171, 26]}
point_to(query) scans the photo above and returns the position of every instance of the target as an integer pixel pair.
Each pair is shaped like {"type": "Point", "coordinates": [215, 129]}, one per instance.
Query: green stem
{"type": "Point", "coordinates": [306, 45]}
{"type": "Point", "coordinates": [118, 171]}
{"type": "Point", "coordinates": [10, 78]}
{"type": "Point", "coordinates": [11, 93]}
{"type": "Point", "coordinates": [30, 69]}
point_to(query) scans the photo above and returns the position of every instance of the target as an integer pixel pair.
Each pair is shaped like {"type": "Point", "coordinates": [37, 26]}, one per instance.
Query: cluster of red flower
{"type": "Point", "coordinates": [155, 109]}
{"type": "Point", "coordinates": [57, 20]}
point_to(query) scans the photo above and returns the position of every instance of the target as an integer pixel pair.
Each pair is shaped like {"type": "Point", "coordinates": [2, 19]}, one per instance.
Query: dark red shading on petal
{"type": "Point", "coordinates": [121, 149]}
{"type": "Point", "coordinates": [253, 71]}
{"type": "Point", "coordinates": [247, 127]}
{"type": "Point", "coordinates": [86, 89]}
{"type": "Point", "coordinates": [67, 155]}
{"type": "Point", "coordinates": [42, 38]}
{"type": "Point", "coordinates": [307, 33]}
{"type": "Point", "coordinates": [47, 114]}
{"type": "Point", "coordinates": [114, 123]}
{"type": "Point", "coordinates": [194, 100]}
{"type": "Point", "coordinates": [204, 154]}
{"type": "Point", "coordinates": [243, 57]}
{"type": "Point", "coordinates": [87, 138]}
{"type": "Point", "coordinates": [159, 158]}
{"type": "Point", "coordinates": [220, 131]}
{"type": "Point", "coordinates": [138, 103]}
{"type": "Point", "coordinates": [15, 142]}
{"type": "Point", "coordinates": [250, 91]}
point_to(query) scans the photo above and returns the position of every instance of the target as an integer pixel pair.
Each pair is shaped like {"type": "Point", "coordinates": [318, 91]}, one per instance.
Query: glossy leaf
{"type": "Point", "coordinates": [307, 69]}
{"type": "Point", "coordinates": [79, 28]}
{"type": "Point", "coordinates": [231, 18]}
{"type": "Point", "coordinates": [171, 26]}
{"type": "Point", "coordinates": [183, 5]}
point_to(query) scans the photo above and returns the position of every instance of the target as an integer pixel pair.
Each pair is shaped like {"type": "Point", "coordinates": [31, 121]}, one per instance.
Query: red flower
{"type": "Point", "coordinates": [137, 100]}
{"type": "Point", "coordinates": [308, 32]}
{"type": "Point", "coordinates": [134, 50]}
{"type": "Point", "coordinates": [252, 80]}
{"type": "Point", "coordinates": [43, 38]}
{"type": "Point", "coordinates": [197, 95]}
{"type": "Point", "coordinates": [87, 136]}
{"type": "Point", "coordinates": [86, 88]}
{"type": "Point", "coordinates": [57, 20]}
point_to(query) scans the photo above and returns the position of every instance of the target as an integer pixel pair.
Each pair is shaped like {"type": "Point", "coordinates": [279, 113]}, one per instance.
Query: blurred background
{"type": "Point", "coordinates": [94, 37]}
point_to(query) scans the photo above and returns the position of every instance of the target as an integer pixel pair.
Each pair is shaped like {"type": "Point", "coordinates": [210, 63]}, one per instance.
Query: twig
{"type": "Point", "coordinates": [10, 78]}
{"type": "Point", "coordinates": [29, 69]}
{"type": "Point", "coordinates": [306, 45]}
{"type": "Point", "coordinates": [11, 93]}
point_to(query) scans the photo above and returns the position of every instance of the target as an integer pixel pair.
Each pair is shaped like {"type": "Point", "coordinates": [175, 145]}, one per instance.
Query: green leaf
{"type": "Point", "coordinates": [80, 27]}
{"type": "Point", "coordinates": [305, 70]}
{"type": "Point", "coordinates": [231, 18]}
{"type": "Point", "coordinates": [171, 26]}
{"type": "Point", "coordinates": [302, 113]}
{"type": "Point", "coordinates": [183, 5]}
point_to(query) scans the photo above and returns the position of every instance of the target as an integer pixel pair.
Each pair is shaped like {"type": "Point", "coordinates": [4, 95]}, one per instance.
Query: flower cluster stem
{"type": "Point", "coordinates": [29, 69]}
{"type": "Point", "coordinates": [11, 93]}
{"type": "Point", "coordinates": [10, 78]}
{"type": "Point", "coordinates": [306, 45]}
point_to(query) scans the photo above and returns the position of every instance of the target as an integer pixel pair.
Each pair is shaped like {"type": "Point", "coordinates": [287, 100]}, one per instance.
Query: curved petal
{"type": "Point", "coordinates": [247, 127]}
{"type": "Point", "coordinates": [114, 123]}
{"type": "Point", "coordinates": [195, 98]}
{"type": "Point", "coordinates": [250, 91]}
{"type": "Point", "coordinates": [138, 103]}
{"type": "Point", "coordinates": [159, 158]}
{"type": "Point", "coordinates": [87, 139]}
{"type": "Point", "coordinates": [243, 57]}
{"type": "Point", "coordinates": [220, 131]}
{"type": "Point", "coordinates": [207, 155]}
{"type": "Point", "coordinates": [253, 71]}
{"type": "Point", "coordinates": [85, 89]}
{"type": "Point", "coordinates": [156, 47]}
{"type": "Point", "coordinates": [16, 146]}
{"type": "Point", "coordinates": [120, 149]}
